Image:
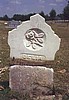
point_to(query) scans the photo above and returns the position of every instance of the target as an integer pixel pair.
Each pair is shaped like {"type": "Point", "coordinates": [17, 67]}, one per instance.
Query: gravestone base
{"type": "Point", "coordinates": [34, 80]}
{"type": "Point", "coordinates": [49, 97]}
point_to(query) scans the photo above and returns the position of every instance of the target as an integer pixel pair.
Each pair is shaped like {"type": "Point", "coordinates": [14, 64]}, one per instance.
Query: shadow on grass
{"type": "Point", "coordinates": [5, 84]}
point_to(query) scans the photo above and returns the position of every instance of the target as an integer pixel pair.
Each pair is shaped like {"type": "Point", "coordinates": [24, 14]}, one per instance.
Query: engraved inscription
{"type": "Point", "coordinates": [34, 39]}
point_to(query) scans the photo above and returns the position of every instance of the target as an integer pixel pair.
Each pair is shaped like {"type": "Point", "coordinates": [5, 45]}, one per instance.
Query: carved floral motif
{"type": "Point", "coordinates": [34, 38]}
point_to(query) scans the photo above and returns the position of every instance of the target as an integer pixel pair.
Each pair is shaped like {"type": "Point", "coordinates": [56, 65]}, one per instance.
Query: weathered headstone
{"type": "Point", "coordinates": [12, 24]}
{"type": "Point", "coordinates": [33, 40]}
{"type": "Point", "coordinates": [33, 37]}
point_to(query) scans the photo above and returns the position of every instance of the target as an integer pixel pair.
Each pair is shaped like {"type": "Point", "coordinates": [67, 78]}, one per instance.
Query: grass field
{"type": "Point", "coordinates": [61, 66]}
{"type": "Point", "coordinates": [61, 62]}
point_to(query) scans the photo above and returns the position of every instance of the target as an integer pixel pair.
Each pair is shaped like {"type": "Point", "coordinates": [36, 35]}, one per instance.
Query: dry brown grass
{"type": "Point", "coordinates": [61, 80]}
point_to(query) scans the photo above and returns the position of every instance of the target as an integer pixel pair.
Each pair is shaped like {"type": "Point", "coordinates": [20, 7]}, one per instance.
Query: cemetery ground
{"type": "Point", "coordinates": [60, 64]}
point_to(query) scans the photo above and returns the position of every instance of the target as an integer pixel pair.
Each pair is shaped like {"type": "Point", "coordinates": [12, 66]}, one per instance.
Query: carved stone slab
{"type": "Point", "coordinates": [33, 37]}
{"type": "Point", "coordinates": [34, 80]}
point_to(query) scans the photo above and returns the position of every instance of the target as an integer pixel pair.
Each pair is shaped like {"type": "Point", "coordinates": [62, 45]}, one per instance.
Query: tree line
{"type": "Point", "coordinates": [52, 15]}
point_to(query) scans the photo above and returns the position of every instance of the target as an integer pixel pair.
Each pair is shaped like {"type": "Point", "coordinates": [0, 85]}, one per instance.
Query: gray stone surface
{"type": "Point", "coordinates": [33, 80]}
{"type": "Point", "coordinates": [50, 97]}
{"type": "Point", "coordinates": [33, 37]}
{"type": "Point", "coordinates": [12, 24]}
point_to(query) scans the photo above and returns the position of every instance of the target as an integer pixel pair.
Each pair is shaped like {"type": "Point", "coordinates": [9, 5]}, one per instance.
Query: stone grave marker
{"type": "Point", "coordinates": [33, 37]}
{"type": "Point", "coordinates": [33, 40]}
{"type": "Point", "coordinates": [12, 24]}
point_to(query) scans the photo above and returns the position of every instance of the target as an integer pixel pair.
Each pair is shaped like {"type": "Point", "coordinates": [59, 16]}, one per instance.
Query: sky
{"type": "Point", "coordinates": [11, 7]}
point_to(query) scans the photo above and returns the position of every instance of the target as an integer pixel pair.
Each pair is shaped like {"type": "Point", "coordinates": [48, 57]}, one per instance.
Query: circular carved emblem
{"type": "Point", "coordinates": [34, 39]}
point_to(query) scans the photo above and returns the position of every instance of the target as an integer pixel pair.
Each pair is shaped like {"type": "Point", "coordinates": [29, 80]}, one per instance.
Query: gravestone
{"type": "Point", "coordinates": [12, 24]}
{"type": "Point", "coordinates": [33, 37]}
{"type": "Point", "coordinates": [33, 40]}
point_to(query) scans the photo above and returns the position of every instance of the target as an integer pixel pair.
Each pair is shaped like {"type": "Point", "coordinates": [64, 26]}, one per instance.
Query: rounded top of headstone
{"type": "Point", "coordinates": [37, 15]}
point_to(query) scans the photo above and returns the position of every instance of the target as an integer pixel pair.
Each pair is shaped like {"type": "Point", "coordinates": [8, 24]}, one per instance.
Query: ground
{"type": "Point", "coordinates": [60, 64]}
